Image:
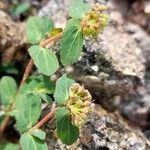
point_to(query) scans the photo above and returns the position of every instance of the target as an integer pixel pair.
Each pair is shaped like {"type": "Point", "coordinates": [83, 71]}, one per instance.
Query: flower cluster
{"type": "Point", "coordinates": [79, 104]}
{"type": "Point", "coordinates": [94, 20]}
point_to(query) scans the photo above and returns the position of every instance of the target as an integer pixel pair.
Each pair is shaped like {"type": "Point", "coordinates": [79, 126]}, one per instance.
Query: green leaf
{"type": "Point", "coordinates": [44, 59]}
{"type": "Point", "coordinates": [49, 25]}
{"type": "Point", "coordinates": [38, 85]}
{"type": "Point", "coordinates": [9, 146]}
{"type": "Point", "coordinates": [18, 9]}
{"type": "Point", "coordinates": [78, 9]}
{"type": "Point", "coordinates": [29, 142]}
{"type": "Point", "coordinates": [71, 45]}
{"type": "Point", "coordinates": [46, 98]}
{"type": "Point", "coordinates": [65, 130]}
{"type": "Point", "coordinates": [35, 30]}
{"type": "Point", "coordinates": [8, 90]}
{"type": "Point", "coordinates": [73, 22]}
{"type": "Point", "coordinates": [38, 133]}
{"type": "Point", "coordinates": [62, 89]}
{"type": "Point", "coordinates": [28, 110]}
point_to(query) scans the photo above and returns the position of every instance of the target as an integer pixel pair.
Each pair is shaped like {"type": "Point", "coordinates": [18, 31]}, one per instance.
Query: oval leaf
{"type": "Point", "coordinates": [8, 90]}
{"type": "Point", "coordinates": [29, 142]}
{"type": "Point", "coordinates": [65, 130]}
{"type": "Point", "coordinates": [28, 110]}
{"type": "Point", "coordinates": [71, 45]}
{"type": "Point", "coordinates": [46, 98]}
{"type": "Point", "coordinates": [35, 30]}
{"type": "Point", "coordinates": [61, 93]}
{"type": "Point", "coordinates": [44, 59]}
{"type": "Point", "coordinates": [16, 10]}
{"type": "Point", "coordinates": [38, 133]}
{"type": "Point", "coordinates": [49, 25]}
{"type": "Point", "coordinates": [78, 9]}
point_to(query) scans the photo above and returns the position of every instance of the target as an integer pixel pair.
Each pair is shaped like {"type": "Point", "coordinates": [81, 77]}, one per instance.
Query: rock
{"type": "Point", "coordinates": [137, 105]}
{"type": "Point", "coordinates": [142, 38]}
{"type": "Point", "coordinates": [120, 66]}
{"type": "Point", "coordinates": [13, 41]}
{"type": "Point", "coordinates": [104, 130]}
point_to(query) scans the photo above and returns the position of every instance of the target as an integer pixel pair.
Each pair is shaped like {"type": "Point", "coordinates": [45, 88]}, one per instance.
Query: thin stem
{"type": "Point", "coordinates": [49, 116]}
{"type": "Point", "coordinates": [55, 38]}
{"type": "Point", "coordinates": [27, 72]}
{"type": "Point", "coordinates": [4, 125]}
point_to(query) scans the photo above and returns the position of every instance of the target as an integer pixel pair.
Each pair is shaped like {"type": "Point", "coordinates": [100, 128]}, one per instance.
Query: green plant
{"type": "Point", "coordinates": [72, 102]}
{"type": "Point", "coordinates": [17, 9]}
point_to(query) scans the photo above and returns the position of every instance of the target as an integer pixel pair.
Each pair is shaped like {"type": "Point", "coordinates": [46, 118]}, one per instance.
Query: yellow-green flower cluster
{"type": "Point", "coordinates": [94, 20]}
{"type": "Point", "coordinates": [79, 104]}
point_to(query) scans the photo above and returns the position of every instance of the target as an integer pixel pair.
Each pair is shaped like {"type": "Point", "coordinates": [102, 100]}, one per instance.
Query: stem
{"type": "Point", "coordinates": [27, 72]}
{"type": "Point", "coordinates": [24, 78]}
{"type": "Point", "coordinates": [55, 38]}
{"type": "Point", "coordinates": [47, 117]}
{"type": "Point", "coordinates": [4, 124]}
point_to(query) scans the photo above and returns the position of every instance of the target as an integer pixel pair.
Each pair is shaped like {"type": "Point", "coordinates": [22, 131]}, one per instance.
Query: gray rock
{"type": "Point", "coordinates": [103, 130]}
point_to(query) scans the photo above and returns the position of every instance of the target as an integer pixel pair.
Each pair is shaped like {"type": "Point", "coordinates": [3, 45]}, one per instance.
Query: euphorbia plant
{"type": "Point", "coordinates": [72, 102]}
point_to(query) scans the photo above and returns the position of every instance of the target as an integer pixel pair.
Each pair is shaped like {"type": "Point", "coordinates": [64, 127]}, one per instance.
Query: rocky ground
{"type": "Point", "coordinates": [114, 67]}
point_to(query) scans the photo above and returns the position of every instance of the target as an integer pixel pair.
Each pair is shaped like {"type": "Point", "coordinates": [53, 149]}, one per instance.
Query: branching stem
{"type": "Point", "coordinates": [27, 71]}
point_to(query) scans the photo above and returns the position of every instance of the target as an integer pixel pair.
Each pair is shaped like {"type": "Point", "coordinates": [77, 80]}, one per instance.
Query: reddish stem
{"type": "Point", "coordinates": [46, 42]}
{"type": "Point", "coordinates": [27, 72]}
{"type": "Point", "coordinates": [49, 116]}
{"type": "Point", "coordinates": [4, 125]}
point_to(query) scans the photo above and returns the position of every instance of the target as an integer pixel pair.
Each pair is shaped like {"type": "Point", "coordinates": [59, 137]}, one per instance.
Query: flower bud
{"type": "Point", "coordinates": [79, 104]}
{"type": "Point", "coordinates": [94, 20]}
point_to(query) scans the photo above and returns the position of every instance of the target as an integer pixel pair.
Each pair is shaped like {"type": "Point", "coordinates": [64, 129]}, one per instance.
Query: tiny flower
{"type": "Point", "coordinates": [79, 104]}
{"type": "Point", "coordinates": [94, 20]}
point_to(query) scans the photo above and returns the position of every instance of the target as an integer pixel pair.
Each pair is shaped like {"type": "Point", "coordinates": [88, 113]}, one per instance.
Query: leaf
{"type": "Point", "coordinates": [29, 142]}
{"type": "Point", "coordinates": [35, 30]}
{"type": "Point", "coordinates": [65, 130]}
{"type": "Point", "coordinates": [71, 45]}
{"type": "Point", "coordinates": [73, 22]}
{"type": "Point", "coordinates": [38, 133]}
{"type": "Point", "coordinates": [49, 25]}
{"type": "Point", "coordinates": [46, 98]}
{"type": "Point", "coordinates": [50, 85]}
{"type": "Point", "coordinates": [38, 85]}
{"type": "Point", "coordinates": [8, 90]}
{"type": "Point", "coordinates": [28, 110]}
{"type": "Point", "coordinates": [78, 9]}
{"type": "Point", "coordinates": [45, 60]}
{"type": "Point", "coordinates": [18, 9]}
{"type": "Point", "coordinates": [62, 89]}
{"type": "Point", "coordinates": [9, 146]}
